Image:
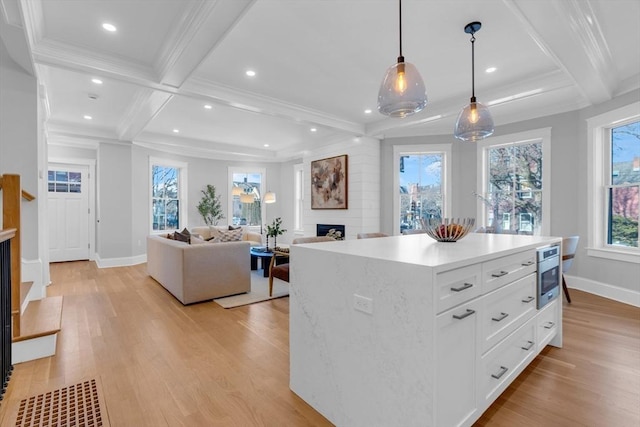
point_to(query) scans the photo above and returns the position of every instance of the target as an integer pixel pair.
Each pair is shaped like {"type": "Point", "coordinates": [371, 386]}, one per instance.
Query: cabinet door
{"type": "Point", "coordinates": [457, 355]}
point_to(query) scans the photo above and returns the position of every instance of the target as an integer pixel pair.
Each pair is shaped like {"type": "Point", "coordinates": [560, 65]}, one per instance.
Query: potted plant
{"type": "Point", "coordinates": [210, 207]}
{"type": "Point", "coordinates": [274, 230]}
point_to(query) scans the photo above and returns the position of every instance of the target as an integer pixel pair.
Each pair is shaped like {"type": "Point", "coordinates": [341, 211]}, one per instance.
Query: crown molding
{"type": "Point", "coordinates": [580, 40]}
{"type": "Point", "coordinates": [146, 105]}
{"type": "Point", "coordinates": [223, 95]}
{"type": "Point", "coordinates": [201, 28]}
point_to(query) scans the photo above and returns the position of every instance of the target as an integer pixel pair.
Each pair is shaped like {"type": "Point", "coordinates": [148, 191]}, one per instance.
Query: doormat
{"type": "Point", "coordinates": [78, 405]}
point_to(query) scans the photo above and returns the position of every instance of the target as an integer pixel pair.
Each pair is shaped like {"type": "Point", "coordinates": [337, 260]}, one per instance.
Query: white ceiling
{"type": "Point", "coordinates": [319, 64]}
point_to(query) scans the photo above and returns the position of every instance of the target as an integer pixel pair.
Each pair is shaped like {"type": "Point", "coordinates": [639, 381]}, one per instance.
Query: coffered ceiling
{"type": "Point", "coordinates": [318, 65]}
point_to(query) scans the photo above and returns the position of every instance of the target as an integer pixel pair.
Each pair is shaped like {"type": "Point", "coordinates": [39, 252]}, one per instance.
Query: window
{"type": "Point", "coordinates": [63, 181]}
{"type": "Point", "coordinates": [624, 182]}
{"type": "Point", "coordinates": [168, 195]}
{"type": "Point", "coordinates": [421, 186]}
{"type": "Point", "coordinates": [511, 196]}
{"type": "Point", "coordinates": [298, 173]}
{"type": "Point", "coordinates": [614, 181]}
{"type": "Point", "coordinates": [247, 190]}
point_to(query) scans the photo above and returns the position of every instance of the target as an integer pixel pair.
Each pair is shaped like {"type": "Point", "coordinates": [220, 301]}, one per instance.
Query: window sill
{"type": "Point", "coordinates": [615, 254]}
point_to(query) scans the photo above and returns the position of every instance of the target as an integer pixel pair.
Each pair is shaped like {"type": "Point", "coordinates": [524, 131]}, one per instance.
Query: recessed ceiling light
{"type": "Point", "coordinates": [97, 81]}
{"type": "Point", "coordinates": [491, 69]}
{"type": "Point", "coordinates": [208, 107]}
{"type": "Point", "coordinates": [367, 111]}
{"type": "Point", "coordinates": [176, 131]}
{"type": "Point", "coordinates": [313, 129]}
{"type": "Point", "coordinates": [87, 117]}
{"type": "Point", "coordinates": [109, 27]}
{"type": "Point", "coordinates": [250, 73]}
{"type": "Point", "coordinates": [266, 145]}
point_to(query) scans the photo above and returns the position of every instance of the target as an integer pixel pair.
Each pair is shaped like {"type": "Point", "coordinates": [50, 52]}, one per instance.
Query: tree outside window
{"type": "Point", "coordinates": [165, 197]}
{"type": "Point", "coordinates": [513, 195]}
{"type": "Point", "coordinates": [624, 185]}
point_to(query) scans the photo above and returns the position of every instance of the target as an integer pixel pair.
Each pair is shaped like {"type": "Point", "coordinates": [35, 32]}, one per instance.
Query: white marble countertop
{"type": "Point", "coordinates": [420, 249]}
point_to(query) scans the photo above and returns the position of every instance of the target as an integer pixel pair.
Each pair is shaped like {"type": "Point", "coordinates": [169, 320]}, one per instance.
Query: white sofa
{"type": "Point", "coordinates": [199, 272]}
{"type": "Point", "coordinates": [255, 239]}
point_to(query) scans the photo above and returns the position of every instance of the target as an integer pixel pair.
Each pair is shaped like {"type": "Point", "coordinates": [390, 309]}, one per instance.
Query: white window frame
{"type": "Point", "coordinates": [263, 184]}
{"type": "Point", "coordinates": [598, 170]}
{"type": "Point", "coordinates": [407, 150]}
{"type": "Point", "coordinates": [183, 191]}
{"type": "Point", "coordinates": [542, 135]}
{"type": "Point", "coordinates": [298, 198]}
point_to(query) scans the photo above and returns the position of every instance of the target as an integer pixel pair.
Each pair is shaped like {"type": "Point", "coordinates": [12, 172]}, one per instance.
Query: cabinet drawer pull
{"type": "Point", "coordinates": [527, 346]}
{"type": "Point", "coordinates": [502, 273]}
{"type": "Point", "coordinates": [528, 299]}
{"type": "Point", "coordinates": [527, 264]}
{"type": "Point", "coordinates": [549, 325]}
{"type": "Point", "coordinates": [503, 370]}
{"type": "Point", "coordinates": [501, 317]}
{"type": "Point", "coordinates": [462, 316]}
{"type": "Point", "coordinates": [463, 287]}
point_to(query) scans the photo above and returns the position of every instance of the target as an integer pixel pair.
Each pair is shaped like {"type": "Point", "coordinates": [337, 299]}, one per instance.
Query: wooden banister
{"type": "Point", "coordinates": [25, 194]}
{"type": "Point", "coordinates": [11, 213]}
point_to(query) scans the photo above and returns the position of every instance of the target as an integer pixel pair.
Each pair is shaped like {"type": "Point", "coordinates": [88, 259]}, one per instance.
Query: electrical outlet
{"type": "Point", "coordinates": [363, 304]}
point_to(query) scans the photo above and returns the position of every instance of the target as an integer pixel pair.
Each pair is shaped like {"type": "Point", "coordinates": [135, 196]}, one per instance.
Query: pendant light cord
{"type": "Point", "coordinates": [400, 24]}
{"type": "Point", "coordinates": [473, 68]}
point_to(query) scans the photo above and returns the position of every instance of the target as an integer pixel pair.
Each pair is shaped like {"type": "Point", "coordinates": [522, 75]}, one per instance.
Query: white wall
{"type": "Point", "coordinates": [19, 142]}
{"type": "Point", "coordinates": [363, 213]}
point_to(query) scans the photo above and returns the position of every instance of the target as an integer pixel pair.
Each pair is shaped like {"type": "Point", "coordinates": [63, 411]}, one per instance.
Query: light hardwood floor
{"type": "Point", "coordinates": [163, 364]}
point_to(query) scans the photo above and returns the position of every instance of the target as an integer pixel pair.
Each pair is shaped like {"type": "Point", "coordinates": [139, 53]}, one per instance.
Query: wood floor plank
{"type": "Point", "coordinates": [163, 364]}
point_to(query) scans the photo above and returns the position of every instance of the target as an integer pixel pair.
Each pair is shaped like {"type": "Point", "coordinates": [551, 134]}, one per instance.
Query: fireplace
{"type": "Point", "coordinates": [325, 229]}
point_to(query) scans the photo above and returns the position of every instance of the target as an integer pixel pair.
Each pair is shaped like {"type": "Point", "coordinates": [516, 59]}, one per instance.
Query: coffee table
{"type": "Point", "coordinates": [265, 259]}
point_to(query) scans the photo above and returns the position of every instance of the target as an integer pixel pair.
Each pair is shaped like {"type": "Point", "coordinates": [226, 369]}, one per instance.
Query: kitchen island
{"type": "Point", "coordinates": [407, 331]}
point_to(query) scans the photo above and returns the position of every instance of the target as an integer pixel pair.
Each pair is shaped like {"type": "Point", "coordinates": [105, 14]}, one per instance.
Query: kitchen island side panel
{"type": "Point", "coordinates": [357, 368]}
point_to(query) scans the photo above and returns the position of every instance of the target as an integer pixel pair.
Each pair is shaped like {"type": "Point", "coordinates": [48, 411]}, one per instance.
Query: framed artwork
{"type": "Point", "coordinates": [329, 183]}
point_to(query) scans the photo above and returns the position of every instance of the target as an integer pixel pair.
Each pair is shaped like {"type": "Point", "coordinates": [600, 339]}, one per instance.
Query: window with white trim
{"type": "Point", "coordinates": [247, 189]}
{"type": "Point", "coordinates": [511, 190]}
{"type": "Point", "coordinates": [421, 184]}
{"type": "Point", "coordinates": [614, 180]}
{"type": "Point", "coordinates": [168, 195]}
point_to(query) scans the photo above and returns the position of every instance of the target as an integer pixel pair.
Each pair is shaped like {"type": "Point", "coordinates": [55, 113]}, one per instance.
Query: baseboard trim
{"type": "Point", "coordinates": [120, 262]}
{"type": "Point", "coordinates": [616, 293]}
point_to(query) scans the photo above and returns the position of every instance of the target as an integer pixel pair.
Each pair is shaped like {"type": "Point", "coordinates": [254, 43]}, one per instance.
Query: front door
{"type": "Point", "coordinates": [68, 207]}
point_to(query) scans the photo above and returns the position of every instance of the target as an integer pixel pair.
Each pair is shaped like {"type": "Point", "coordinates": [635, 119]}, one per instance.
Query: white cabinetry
{"type": "Point", "coordinates": [485, 342]}
{"type": "Point", "coordinates": [457, 333]}
{"type": "Point", "coordinates": [447, 328]}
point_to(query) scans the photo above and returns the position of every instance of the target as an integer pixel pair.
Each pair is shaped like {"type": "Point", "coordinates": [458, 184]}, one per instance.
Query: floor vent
{"type": "Point", "coordinates": [74, 406]}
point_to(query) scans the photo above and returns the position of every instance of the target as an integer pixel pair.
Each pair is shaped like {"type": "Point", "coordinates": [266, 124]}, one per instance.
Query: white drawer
{"type": "Point", "coordinates": [499, 272]}
{"type": "Point", "coordinates": [506, 309]}
{"type": "Point", "coordinates": [548, 324]}
{"type": "Point", "coordinates": [504, 362]}
{"type": "Point", "coordinates": [454, 287]}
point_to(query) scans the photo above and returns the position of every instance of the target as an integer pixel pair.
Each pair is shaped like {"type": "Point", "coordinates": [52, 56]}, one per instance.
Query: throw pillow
{"type": "Point", "coordinates": [180, 237]}
{"type": "Point", "coordinates": [196, 240]}
{"type": "Point", "coordinates": [230, 236]}
{"type": "Point", "coordinates": [231, 227]}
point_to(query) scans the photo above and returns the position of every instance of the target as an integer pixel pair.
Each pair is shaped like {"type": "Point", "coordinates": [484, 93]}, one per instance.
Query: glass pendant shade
{"type": "Point", "coordinates": [402, 92]}
{"type": "Point", "coordinates": [270, 197]}
{"type": "Point", "coordinates": [236, 191]}
{"type": "Point", "coordinates": [247, 198]}
{"type": "Point", "coordinates": [474, 122]}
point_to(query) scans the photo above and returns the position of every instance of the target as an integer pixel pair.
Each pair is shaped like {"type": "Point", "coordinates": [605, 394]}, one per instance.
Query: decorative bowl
{"type": "Point", "coordinates": [447, 229]}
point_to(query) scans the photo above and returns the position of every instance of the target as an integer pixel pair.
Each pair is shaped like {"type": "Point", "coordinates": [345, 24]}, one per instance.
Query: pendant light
{"type": "Point", "coordinates": [402, 92]}
{"type": "Point", "coordinates": [475, 121]}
